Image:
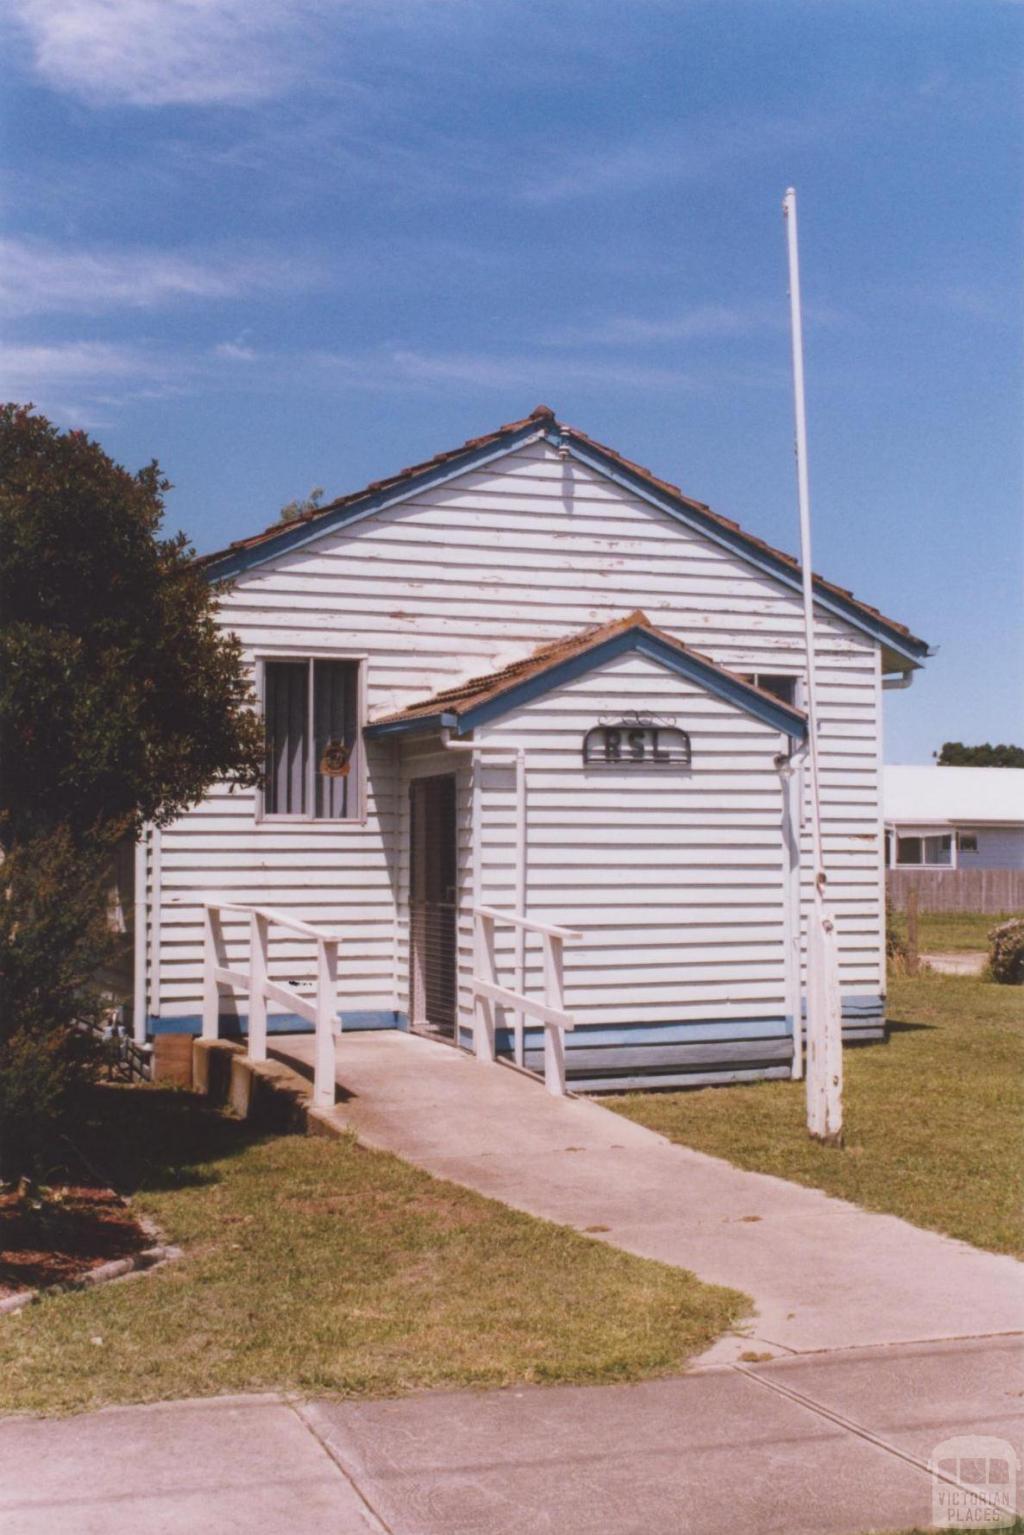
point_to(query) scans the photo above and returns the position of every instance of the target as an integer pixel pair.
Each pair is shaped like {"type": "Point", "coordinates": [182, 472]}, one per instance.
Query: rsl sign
{"type": "Point", "coordinates": [636, 742]}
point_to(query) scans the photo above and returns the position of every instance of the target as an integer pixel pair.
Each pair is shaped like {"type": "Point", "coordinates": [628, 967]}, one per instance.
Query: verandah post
{"type": "Point", "coordinates": [554, 1034]}
{"type": "Point", "coordinates": [485, 969]}
{"type": "Point", "coordinates": [326, 1007]}
{"type": "Point", "coordinates": [211, 991]}
{"type": "Point", "coordinates": [258, 959]}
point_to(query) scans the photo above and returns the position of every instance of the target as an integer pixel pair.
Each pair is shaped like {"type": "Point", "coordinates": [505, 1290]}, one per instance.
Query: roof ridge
{"type": "Point", "coordinates": [541, 417]}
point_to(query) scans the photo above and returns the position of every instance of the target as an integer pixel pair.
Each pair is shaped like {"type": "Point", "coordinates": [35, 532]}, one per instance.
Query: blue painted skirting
{"type": "Point", "coordinates": [234, 1024]}
{"type": "Point", "coordinates": [695, 1052]}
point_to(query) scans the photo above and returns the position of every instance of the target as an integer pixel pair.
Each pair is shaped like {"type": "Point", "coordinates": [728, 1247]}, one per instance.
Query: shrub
{"type": "Point", "coordinates": [1006, 952]}
{"type": "Point", "coordinates": [55, 938]}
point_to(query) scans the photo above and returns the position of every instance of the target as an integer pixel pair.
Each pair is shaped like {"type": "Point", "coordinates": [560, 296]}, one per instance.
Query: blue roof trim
{"type": "Point", "coordinates": [235, 562]}
{"type": "Point", "coordinates": [737, 542]}
{"type": "Point", "coordinates": [440, 721]}
{"type": "Point", "coordinates": [707, 676]}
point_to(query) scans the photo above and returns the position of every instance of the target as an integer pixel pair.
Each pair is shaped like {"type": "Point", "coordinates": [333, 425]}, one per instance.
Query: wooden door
{"type": "Point", "coordinates": [433, 905]}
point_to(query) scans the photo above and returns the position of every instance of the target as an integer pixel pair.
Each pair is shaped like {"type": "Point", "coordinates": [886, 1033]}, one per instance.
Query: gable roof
{"type": "Point", "coordinates": [244, 554]}
{"type": "Point", "coordinates": [476, 702]}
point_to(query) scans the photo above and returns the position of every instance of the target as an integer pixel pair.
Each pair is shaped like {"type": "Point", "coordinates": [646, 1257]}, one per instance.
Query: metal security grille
{"type": "Point", "coordinates": [432, 905]}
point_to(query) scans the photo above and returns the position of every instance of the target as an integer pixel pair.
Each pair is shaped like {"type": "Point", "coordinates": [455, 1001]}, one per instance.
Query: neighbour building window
{"type": "Point", "coordinates": [780, 687]}
{"type": "Point", "coordinates": [967, 841]}
{"type": "Point", "coordinates": [311, 709]}
{"type": "Point", "coordinates": [925, 850]}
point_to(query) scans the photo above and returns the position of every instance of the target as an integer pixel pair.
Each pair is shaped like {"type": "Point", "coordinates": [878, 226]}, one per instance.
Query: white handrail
{"type": "Point", "coordinates": [486, 991]}
{"type": "Point", "coordinates": [321, 1011]}
{"type": "Point", "coordinates": [282, 919]}
{"type": "Point", "coordinates": [567, 934]}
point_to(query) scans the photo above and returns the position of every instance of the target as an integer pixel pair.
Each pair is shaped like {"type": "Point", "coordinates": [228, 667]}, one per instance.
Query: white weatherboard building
{"type": "Point", "coordinates": [954, 817]}
{"type": "Point", "coordinates": [632, 665]}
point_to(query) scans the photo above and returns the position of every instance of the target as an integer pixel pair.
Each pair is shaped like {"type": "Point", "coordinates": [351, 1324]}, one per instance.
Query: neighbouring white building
{"type": "Point", "coordinates": [954, 817]}
{"type": "Point", "coordinates": [530, 676]}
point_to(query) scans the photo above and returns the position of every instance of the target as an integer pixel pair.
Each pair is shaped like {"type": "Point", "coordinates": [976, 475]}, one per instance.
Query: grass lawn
{"type": "Point", "coordinates": [933, 1118]}
{"type": "Point", "coordinates": [318, 1266]}
{"type": "Point", "coordinates": [955, 930]}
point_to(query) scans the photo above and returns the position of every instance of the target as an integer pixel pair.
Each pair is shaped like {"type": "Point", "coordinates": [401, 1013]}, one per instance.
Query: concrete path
{"type": "Point", "coordinates": [956, 963]}
{"type": "Point", "coordinates": [823, 1273]}
{"type": "Point", "coordinates": [826, 1445]}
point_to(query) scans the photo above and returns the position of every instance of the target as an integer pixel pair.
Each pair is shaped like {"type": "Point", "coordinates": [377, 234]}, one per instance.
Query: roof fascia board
{"type": "Point", "coordinates": [777, 717]}
{"type": "Point", "coordinates": [443, 720]}
{"type": "Point", "coordinates": [237, 562]}
{"type": "Point", "coordinates": [736, 543]}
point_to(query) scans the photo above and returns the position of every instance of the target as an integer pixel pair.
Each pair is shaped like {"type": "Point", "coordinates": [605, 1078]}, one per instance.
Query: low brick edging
{"type": "Point", "coordinates": [118, 1268]}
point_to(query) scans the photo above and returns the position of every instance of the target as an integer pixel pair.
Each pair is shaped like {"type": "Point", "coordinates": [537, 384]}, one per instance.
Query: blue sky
{"type": "Point", "coordinates": [280, 243]}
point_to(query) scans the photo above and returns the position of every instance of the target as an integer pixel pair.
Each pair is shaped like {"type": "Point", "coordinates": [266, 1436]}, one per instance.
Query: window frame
{"type": "Point", "coordinates": [265, 817]}
{"type": "Point", "coordinates": [922, 839]}
{"type": "Point", "coordinates": [796, 678]}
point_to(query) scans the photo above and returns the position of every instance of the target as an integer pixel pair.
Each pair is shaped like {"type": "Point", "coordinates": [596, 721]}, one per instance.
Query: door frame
{"type": "Point", "coordinates": [417, 982]}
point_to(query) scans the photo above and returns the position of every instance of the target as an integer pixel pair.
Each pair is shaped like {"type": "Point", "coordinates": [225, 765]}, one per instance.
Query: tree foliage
{"type": "Point", "coordinates": [55, 941]}
{"type": "Point", "coordinates": [120, 699]}
{"type": "Point", "coordinates": [956, 754]}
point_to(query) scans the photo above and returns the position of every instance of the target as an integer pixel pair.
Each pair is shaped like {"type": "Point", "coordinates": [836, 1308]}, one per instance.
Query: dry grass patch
{"type": "Point", "coordinates": [933, 1118]}
{"type": "Point", "coordinates": [318, 1266]}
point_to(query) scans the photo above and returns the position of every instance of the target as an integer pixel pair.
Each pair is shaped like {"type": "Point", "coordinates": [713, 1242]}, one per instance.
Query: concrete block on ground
{"type": "Point", "coordinates": [268, 1094]}
{"type": "Point", "coordinates": [172, 1060]}
{"type": "Point", "coordinates": [211, 1067]}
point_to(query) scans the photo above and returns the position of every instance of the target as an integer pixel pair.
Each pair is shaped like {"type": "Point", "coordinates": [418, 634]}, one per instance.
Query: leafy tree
{"type": "Point", "coordinates": [120, 699]}
{"type": "Point", "coordinates": [120, 702]}
{"type": "Point", "coordinates": [956, 754]}
{"type": "Point", "coordinates": [293, 510]}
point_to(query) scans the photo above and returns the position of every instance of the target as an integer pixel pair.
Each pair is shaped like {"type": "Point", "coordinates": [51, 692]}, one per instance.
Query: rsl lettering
{"type": "Point", "coordinates": [638, 743]}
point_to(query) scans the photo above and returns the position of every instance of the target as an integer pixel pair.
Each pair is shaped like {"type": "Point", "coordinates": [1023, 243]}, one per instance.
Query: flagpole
{"type": "Point", "coordinates": [824, 1066]}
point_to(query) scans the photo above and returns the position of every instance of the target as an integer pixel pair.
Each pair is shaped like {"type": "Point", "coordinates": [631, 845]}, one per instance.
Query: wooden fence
{"type": "Point", "coordinates": [991, 891]}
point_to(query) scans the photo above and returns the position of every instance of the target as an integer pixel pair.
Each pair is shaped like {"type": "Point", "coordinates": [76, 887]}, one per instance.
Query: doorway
{"type": "Point", "coordinates": [432, 906]}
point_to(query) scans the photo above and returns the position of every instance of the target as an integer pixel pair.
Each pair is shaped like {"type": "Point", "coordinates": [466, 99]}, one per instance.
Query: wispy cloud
{"type": "Point", "coordinates": [87, 383]}
{"type": "Point", "coordinates": [397, 367]}
{"type": "Point", "coordinates": [235, 351]}
{"type": "Point", "coordinates": [703, 322]}
{"type": "Point", "coordinates": [162, 52]}
{"type": "Point", "coordinates": [673, 155]}
{"type": "Point", "coordinates": [37, 277]}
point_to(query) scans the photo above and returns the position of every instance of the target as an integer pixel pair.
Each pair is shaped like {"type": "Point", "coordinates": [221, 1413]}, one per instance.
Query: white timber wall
{"type": "Point", "coordinates": [450, 584]}
{"type": "Point", "coordinates": [673, 875]}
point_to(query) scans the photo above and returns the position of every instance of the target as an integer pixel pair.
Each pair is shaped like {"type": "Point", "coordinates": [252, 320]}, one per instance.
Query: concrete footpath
{"type": "Point", "coordinates": [824, 1445]}
{"type": "Point", "coordinates": [823, 1274]}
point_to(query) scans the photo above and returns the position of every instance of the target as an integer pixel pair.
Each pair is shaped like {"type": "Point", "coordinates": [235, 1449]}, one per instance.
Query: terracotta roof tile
{"type": "Point", "coordinates": [544, 413]}
{"type": "Point", "coordinates": [468, 695]}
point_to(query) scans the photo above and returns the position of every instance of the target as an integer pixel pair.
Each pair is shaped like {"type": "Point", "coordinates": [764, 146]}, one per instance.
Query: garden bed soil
{"type": "Point", "coordinates": [57, 1238]}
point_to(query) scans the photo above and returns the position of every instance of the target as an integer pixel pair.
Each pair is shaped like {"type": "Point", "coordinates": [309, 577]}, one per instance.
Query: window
{"type": "Point", "coordinates": [924, 850]}
{"type": "Point", "coordinates": [967, 841]}
{"type": "Point", "coordinates": [780, 687]}
{"type": "Point", "coordinates": [311, 709]}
